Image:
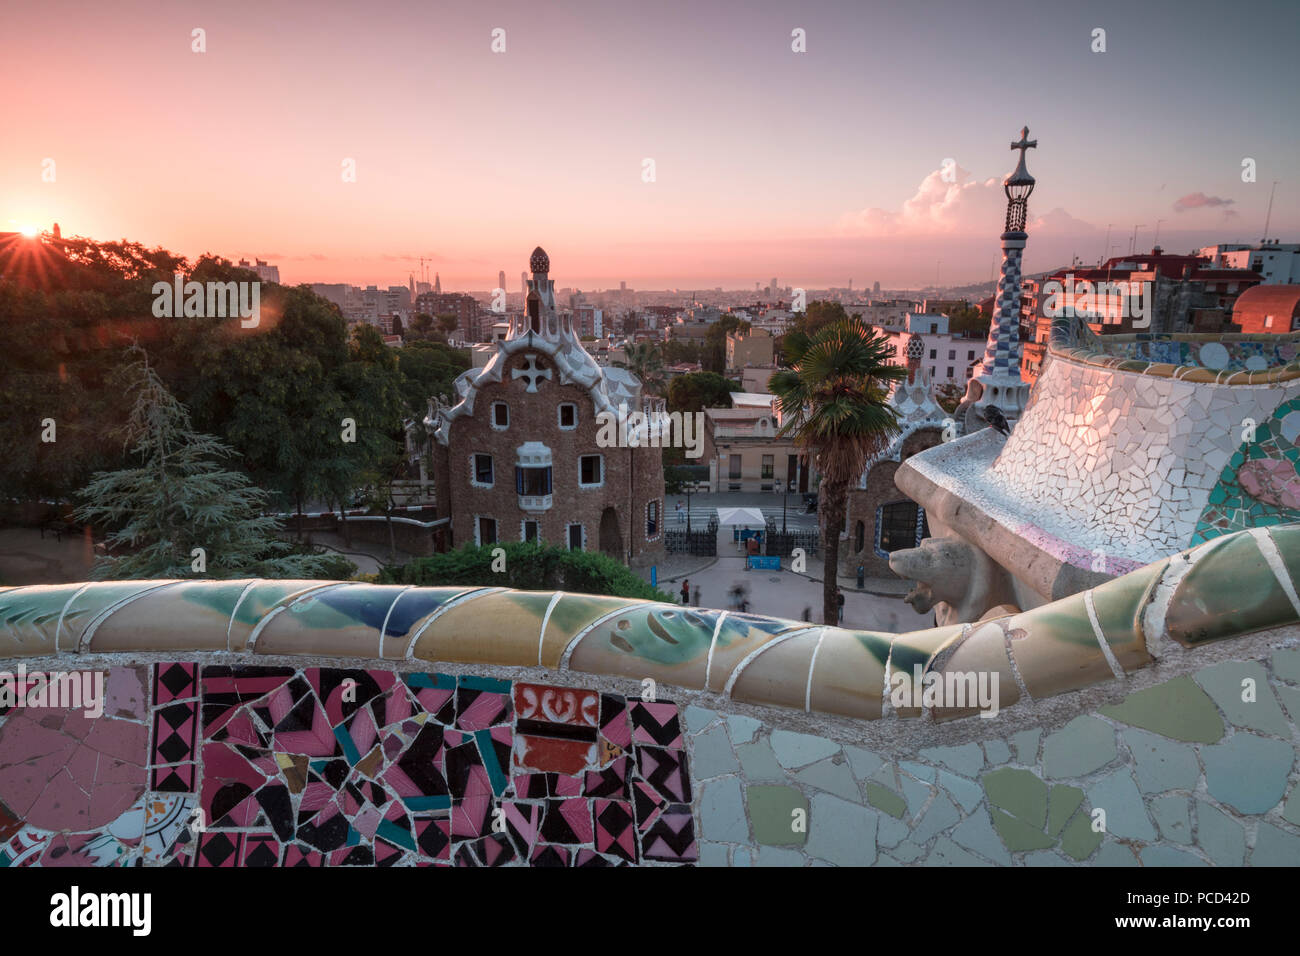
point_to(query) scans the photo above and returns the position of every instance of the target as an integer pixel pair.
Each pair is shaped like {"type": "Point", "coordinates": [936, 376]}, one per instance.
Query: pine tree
{"type": "Point", "coordinates": [178, 498]}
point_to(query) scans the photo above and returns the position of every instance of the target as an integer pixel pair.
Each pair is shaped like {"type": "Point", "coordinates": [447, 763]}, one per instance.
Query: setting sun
{"type": "Point", "coordinates": [29, 231]}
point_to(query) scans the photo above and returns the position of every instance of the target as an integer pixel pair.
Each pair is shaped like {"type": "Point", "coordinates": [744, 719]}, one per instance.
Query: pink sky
{"type": "Point", "coordinates": [814, 168]}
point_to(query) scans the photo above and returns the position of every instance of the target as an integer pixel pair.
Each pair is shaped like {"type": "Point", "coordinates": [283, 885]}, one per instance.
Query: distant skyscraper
{"type": "Point", "coordinates": [622, 286]}
{"type": "Point", "coordinates": [876, 288]}
{"type": "Point", "coordinates": [411, 277]}
{"type": "Point", "coordinates": [437, 283]}
{"type": "Point", "coordinates": [501, 280]}
{"type": "Point", "coordinates": [523, 283]}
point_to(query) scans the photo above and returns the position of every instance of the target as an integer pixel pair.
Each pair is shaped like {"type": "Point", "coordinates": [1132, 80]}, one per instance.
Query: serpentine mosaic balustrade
{"type": "Point", "coordinates": [1231, 585]}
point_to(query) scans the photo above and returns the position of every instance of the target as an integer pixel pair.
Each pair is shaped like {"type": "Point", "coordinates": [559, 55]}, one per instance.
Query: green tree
{"type": "Point", "coordinates": [818, 316]}
{"type": "Point", "coordinates": [646, 363]}
{"type": "Point", "coordinates": [448, 323]}
{"type": "Point", "coordinates": [529, 566]}
{"type": "Point", "coordinates": [834, 401]}
{"type": "Point", "coordinates": [429, 370]}
{"type": "Point", "coordinates": [422, 324]}
{"type": "Point", "coordinates": [969, 320]}
{"type": "Point", "coordinates": [697, 391]}
{"type": "Point", "coordinates": [676, 351]}
{"type": "Point", "coordinates": [176, 498]}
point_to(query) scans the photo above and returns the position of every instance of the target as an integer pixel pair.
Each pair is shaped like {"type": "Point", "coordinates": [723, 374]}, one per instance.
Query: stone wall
{"type": "Point", "coordinates": [1182, 773]}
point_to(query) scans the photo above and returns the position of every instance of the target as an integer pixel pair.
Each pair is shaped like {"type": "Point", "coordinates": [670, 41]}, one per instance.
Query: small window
{"type": "Point", "coordinates": [934, 328]}
{"type": "Point", "coordinates": [952, 354]}
{"type": "Point", "coordinates": [768, 467]}
{"type": "Point", "coordinates": [533, 482]}
{"type": "Point", "coordinates": [500, 415]}
{"type": "Point", "coordinates": [589, 470]}
{"type": "Point", "coordinates": [859, 537]}
{"type": "Point", "coordinates": [970, 355]}
{"type": "Point", "coordinates": [897, 526]}
{"type": "Point", "coordinates": [530, 531]}
{"type": "Point", "coordinates": [575, 537]}
{"type": "Point", "coordinates": [487, 530]}
{"type": "Point", "coordinates": [933, 353]}
{"type": "Point", "coordinates": [950, 371]}
{"type": "Point", "coordinates": [568, 415]}
{"type": "Point", "coordinates": [483, 469]}
{"type": "Point", "coordinates": [652, 519]}
{"type": "Point", "coordinates": [735, 467]}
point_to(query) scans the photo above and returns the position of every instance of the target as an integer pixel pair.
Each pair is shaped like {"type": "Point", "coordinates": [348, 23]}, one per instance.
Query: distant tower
{"type": "Point", "coordinates": [437, 284]}
{"type": "Point", "coordinates": [997, 381]}
{"type": "Point", "coordinates": [411, 276]}
{"type": "Point", "coordinates": [523, 283]}
{"type": "Point", "coordinates": [915, 352]}
{"type": "Point", "coordinates": [501, 280]}
{"type": "Point", "coordinates": [876, 288]}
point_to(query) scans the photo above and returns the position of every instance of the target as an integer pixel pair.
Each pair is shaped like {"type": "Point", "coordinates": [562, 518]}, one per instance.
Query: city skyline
{"type": "Point", "coordinates": [876, 155]}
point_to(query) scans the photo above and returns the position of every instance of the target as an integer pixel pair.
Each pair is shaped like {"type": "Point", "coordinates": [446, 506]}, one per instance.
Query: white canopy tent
{"type": "Point", "coordinates": [745, 516]}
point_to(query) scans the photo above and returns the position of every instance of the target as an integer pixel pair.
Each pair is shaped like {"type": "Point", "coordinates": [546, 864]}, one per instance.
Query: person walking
{"type": "Point", "coordinates": [839, 600]}
{"type": "Point", "coordinates": [697, 596]}
{"type": "Point", "coordinates": [686, 592]}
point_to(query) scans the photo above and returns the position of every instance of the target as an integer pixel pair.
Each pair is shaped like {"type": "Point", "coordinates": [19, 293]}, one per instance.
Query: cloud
{"type": "Point", "coordinates": [1200, 201]}
{"type": "Point", "coordinates": [948, 203]}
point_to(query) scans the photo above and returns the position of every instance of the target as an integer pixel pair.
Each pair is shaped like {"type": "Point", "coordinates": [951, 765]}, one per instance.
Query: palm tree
{"type": "Point", "coordinates": [833, 400]}
{"type": "Point", "coordinates": [644, 361]}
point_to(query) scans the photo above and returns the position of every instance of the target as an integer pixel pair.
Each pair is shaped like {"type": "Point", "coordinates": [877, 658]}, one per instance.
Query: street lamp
{"type": "Point", "coordinates": [785, 490]}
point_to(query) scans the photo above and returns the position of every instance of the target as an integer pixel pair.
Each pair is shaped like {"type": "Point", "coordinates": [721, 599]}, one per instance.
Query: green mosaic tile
{"type": "Point", "coordinates": [1018, 835]}
{"type": "Point", "coordinates": [886, 800]}
{"type": "Point", "coordinates": [1062, 801]}
{"type": "Point", "coordinates": [1020, 793]}
{"type": "Point", "coordinates": [1078, 839]}
{"type": "Point", "coordinates": [772, 813]}
{"type": "Point", "coordinates": [1177, 708]}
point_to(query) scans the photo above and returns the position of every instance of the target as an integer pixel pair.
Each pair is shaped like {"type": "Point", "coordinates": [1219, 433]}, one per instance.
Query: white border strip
{"type": "Point", "coordinates": [708, 667]}
{"type": "Point", "coordinates": [546, 619]}
{"type": "Point", "coordinates": [749, 658]}
{"type": "Point", "coordinates": [62, 614]}
{"type": "Point", "coordinates": [230, 626]}
{"type": "Point", "coordinates": [83, 644]}
{"type": "Point", "coordinates": [1273, 557]}
{"type": "Point", "coordinates": [812, 664]}
{"type": "Point", "coordinates": [250, 646]}
{"type": "Point", "coordinates": [442, 609]}
{"type": "Point", "coordinates": [1100, 635]}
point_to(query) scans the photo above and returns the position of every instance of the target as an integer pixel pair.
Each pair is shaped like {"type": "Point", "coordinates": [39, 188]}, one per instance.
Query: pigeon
{"type": "Point", "coordinates": [993, 415]}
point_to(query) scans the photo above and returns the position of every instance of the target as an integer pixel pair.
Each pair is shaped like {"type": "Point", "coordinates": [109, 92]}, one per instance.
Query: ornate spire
{"type": "Point", "coordinates": [1019, 185]}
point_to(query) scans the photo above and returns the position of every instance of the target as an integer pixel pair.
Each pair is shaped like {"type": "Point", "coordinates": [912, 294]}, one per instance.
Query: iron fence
{"type": "Point", "coordinates": [704, 543]}
{"type": "Point", "coordinates": [782, 544]}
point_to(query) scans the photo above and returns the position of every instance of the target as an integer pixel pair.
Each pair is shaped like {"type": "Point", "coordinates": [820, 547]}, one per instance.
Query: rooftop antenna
{"type": "Point", "coordinates": [1107, 246]}
{"type": "Point", "coordinates": [1155, 242]}
{"type": "Point", "coordinates": [1269, 218]}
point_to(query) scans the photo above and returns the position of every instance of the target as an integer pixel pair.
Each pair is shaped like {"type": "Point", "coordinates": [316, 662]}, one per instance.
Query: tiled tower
{"type": "Point", "coordinates": [997, 381]}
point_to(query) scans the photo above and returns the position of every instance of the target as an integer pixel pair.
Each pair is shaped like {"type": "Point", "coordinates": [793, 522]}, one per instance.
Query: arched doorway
{"type": "Point", "coordinates": [611, 538]}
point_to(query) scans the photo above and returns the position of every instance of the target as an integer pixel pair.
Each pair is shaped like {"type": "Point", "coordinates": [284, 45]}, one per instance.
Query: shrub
{"type": "Point", "coordinates": [528, 566]}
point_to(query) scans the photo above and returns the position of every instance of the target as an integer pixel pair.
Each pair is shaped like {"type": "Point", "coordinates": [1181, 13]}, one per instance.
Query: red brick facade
{"type": "Point", "coordinates": [864, 505]}
{"type": "Point", "coordinates": [611, 512]}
